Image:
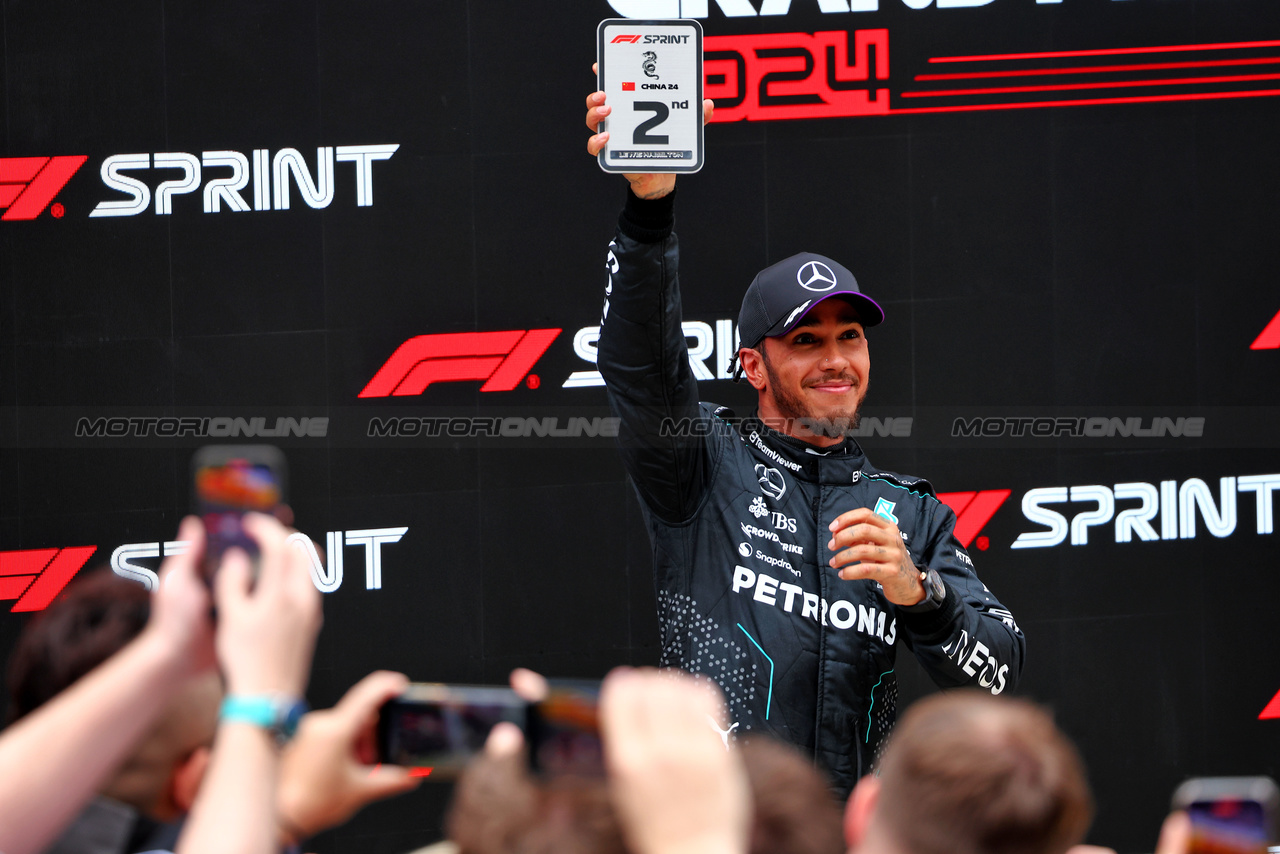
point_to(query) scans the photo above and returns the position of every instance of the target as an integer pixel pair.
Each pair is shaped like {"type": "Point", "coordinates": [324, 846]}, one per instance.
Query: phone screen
{"type": "Point", "coordinates": [229, 481]}
{"type": "Point", "coordinates": [564, 730]}
{"type": "Point", "coordinates": [1228, 826]}
{"type": "Point", "coordinates": [442, 726]}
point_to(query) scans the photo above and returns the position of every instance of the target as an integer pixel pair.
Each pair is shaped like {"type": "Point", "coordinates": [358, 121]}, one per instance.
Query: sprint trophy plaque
{"type": "Point", "coordinates": [651, 74]}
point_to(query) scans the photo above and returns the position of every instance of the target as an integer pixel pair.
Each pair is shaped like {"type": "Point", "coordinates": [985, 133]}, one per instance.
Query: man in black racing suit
{"type": "Point", "coordinates": [787, 567]}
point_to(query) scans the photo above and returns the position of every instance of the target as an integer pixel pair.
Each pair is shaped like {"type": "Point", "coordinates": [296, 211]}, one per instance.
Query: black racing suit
{"type": "Point", "coordinates": [738, 517]}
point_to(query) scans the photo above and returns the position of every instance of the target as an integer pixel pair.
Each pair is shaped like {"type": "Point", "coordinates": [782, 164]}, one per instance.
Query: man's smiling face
{"type": "Point", "coordinates": [818, 371]}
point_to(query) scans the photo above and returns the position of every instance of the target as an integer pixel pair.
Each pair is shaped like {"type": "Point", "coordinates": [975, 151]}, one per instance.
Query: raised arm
{"type": "Point", "coordinates": [266, 635]}
{"type": "Point", "coordinates": [642, 353]}
{"type": "Point", "coordinates": [53, 760]}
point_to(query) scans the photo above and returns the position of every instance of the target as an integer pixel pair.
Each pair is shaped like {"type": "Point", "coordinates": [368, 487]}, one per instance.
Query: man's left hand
{"type": "Point", "coordinates": [870, 546]}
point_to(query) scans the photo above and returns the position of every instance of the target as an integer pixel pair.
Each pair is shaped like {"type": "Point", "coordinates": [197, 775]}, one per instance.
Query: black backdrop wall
{"type": "Point", "coordinates": [239, 210]}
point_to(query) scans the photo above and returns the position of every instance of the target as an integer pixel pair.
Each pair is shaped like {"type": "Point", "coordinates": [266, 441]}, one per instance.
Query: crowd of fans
{"type": "Point", "coordinates": [116, 744]}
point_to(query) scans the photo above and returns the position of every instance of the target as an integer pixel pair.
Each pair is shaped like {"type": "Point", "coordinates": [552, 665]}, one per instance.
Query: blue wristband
{"type": "Point", "coordinates": [277, 714]}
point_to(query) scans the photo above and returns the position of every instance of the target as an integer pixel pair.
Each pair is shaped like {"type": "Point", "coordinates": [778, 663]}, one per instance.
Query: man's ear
{"type": "Point", "coordinates": [752, 362]}
{"type": "Point", "coordinates": [859, 809]}
{"type": "Point", "coordinates": [184, 785]}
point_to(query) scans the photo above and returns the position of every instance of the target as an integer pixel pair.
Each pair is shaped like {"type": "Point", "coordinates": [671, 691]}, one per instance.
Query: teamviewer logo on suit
{"type": "Point", "coordinates": [28, 184]}
{"type": "Point", "coordinates": [501, 359]}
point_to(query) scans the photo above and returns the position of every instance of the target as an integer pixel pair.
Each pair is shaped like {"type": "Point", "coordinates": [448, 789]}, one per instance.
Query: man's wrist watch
{"type": "Point", "coordinates": [277, 714]}
{"type": "Point", "coordinates": [935, 592]}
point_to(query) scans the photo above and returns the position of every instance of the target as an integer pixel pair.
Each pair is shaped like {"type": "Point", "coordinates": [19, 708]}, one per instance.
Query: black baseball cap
{"type": "Point", "coordinates": [780, 296]}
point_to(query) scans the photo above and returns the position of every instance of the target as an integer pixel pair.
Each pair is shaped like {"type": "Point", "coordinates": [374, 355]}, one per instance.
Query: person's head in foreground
{"type": "Point", "coordinates": [92, 620]}
{"type": "Point", "coordinates": [968, 773]}
{"type": "Point", "coordinates": [672, 786]}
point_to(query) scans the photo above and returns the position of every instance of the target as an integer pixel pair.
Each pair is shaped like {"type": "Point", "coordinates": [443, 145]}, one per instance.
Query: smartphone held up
{"type": "Point", "coordinates": [443, 726]}
{"type": "Point", "coordinates": [229, 481]}
{"type": "Point", "coordinates": [1230, 815]}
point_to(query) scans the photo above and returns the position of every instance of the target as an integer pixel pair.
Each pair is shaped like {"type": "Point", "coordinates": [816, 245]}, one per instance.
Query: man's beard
{"type": "Point", "coordinates": [835, 424]}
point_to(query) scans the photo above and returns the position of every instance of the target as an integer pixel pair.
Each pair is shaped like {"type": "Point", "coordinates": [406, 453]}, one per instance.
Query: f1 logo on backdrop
{"type": "Point", "coordinates": [973, 511]}
{"type": "Point", "coordinates": [1269, 337]}
{"type": "Point", "coordinates": [501, 359]}
{"type": "Point", "coordinates": [35, 576]}
{"type": "Point", "coordinates": [29, 184]}
{"type": "Point", "coordinates": [1272, 710]}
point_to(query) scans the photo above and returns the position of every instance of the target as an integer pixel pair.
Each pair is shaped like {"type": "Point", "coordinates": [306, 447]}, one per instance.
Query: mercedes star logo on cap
{"type": "Point", "coordinates": [816, 276]}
